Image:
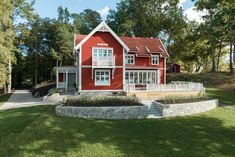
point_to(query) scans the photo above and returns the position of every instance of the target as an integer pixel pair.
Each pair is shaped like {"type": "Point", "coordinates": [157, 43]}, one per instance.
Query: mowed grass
{"type": "Point", "coordinates": [37, 131]}
{"type": "Point", "coordinates": [225, 97]}
{"type": "Point", "coordinates": [4, 98]}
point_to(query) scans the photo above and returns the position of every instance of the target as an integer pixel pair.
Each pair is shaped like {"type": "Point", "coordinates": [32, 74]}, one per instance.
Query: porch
{"type": "Point", "coordinates": [66, 78]}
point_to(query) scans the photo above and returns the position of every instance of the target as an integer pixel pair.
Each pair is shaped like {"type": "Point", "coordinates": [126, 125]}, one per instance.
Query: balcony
{"type": "Point", "coordinates": [103, 62]}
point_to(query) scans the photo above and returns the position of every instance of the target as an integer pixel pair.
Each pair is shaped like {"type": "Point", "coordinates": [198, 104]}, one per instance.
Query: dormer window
{"type": "Point", "coordinates": [130, 59]}
{"type": "Point", "coordinates": [155, 59]}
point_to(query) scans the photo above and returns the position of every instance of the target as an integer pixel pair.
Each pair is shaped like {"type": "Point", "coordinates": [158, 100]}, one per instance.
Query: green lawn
{"type": "Point", "coordinates": [4, 98]}
{"type": "Point", "coordinates": [225, 97]}
{"type": "Point", "coordinates": [37, 131]}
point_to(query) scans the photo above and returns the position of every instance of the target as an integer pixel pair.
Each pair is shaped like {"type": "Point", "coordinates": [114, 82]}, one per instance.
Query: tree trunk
{"type": "Point", "coordinates": [9, 77]}
{"type": "Point", "coordinates": [213, 57]}
{"type": "Point", "coordinates": [234, 53]}
{"type": "Point", "coordinates": [231, 59]}
{"type": "Point", "coordinates": [218, 59]}
{"type": "Point", "coordinates": [198, 68]}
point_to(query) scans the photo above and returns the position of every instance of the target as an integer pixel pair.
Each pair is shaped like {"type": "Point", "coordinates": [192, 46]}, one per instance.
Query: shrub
{"type": "Point", "coordinates": [181, 99]}
{"type": "Point", "coordinates": [103, 101]}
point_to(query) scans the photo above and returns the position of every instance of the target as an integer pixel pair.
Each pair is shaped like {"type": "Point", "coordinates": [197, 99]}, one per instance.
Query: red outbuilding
{"type": "Point", "coordinates": [172, 68]}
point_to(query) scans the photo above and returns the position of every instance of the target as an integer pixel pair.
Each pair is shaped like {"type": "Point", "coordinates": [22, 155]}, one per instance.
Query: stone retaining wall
{"type": "Point", "coordinates": [170, 110]}
{"type": "Point", "coordinates": [123, 112]}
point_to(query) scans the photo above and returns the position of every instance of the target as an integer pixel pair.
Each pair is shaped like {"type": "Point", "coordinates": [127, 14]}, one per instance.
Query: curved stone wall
{"type": "Point", "coordinates": [122, 112]}
{"type": "Point", "coordinates": [171, 110]}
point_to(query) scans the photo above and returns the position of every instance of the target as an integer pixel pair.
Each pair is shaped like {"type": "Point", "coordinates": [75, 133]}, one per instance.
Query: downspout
{"type": "Point", "coordinates": [164, 70]}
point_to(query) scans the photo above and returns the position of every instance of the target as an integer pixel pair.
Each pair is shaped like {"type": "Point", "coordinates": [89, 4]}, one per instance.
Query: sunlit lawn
{"type": "Point", "coordinates": [37, 131]}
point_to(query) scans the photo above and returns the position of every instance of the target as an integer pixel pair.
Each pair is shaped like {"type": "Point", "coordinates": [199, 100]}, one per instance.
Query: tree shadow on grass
{"type": "Point", "coordinates": [50, 135]}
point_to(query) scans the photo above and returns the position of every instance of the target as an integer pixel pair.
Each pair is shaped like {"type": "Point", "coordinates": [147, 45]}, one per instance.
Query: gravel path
{"type": "Point", "coordinates": [21, 98]}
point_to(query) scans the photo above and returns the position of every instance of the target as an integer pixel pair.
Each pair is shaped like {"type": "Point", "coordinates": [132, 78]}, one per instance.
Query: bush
{"type": "Point", "coordinates": [102, 101]}
{"type": "Point", "coordinates": [181, 99]}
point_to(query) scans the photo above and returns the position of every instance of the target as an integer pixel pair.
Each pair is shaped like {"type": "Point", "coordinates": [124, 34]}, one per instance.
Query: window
{"type": "Point", "coordinates": [155, 59]}
{"type": "Point", "coordinates": [102, 78]}
{"type": "Point", "coordinates": [130, 59]}
{"type": "Point", "coordinates": [102, 56]}
{"type": "Point", "coordinates": [141, 77]}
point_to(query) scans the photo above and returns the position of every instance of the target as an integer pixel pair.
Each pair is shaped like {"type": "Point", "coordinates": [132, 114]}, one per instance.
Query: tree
{"type": "Point", "coordinates": [86, 21]}
{"type": "Point", "coordinates": [219, 24]}
{"type": "Point", "coordinates": [7, 35]}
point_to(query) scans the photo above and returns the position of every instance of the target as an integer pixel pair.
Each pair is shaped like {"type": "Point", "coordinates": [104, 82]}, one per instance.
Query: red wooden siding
{"type": "Point", "coordinates": [61, 77]}
{"type": "Point", "coordinates": [102, 37]}
{"type": "Point", "coordinates": [89, 84]}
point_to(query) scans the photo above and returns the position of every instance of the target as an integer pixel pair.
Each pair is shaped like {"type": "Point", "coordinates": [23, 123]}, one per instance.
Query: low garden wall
{"type": "Point", "coordinates": [120, 112]}
{"type": "Point", "coordinates": [170, 110]}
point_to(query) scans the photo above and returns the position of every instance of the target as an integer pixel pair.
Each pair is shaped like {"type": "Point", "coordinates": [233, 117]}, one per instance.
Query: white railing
{"type": "Point", "coordinates": [108, 61]}
{"type": "Point", "coordinates": [173, 87]}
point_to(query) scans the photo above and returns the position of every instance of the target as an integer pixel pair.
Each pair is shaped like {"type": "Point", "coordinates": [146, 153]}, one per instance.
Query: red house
{"type": "Point", "coordinates": [107, 62]}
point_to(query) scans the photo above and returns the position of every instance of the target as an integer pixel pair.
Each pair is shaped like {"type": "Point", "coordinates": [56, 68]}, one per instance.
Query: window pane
{"type": "Point", "coordinates": [131, 77]}
{"type": "Point", "coordinates": [136, 77]}
{"type": "Point", "coordinates": [127, 77]}
{"type": "Point", "coordinates": [153, 78]}
{"type": "Point", "coordinates": [149, 77]}
{"type": "Point", "coordinates": [140, 77]}
{"type": "Point", "coordinates": [144, 77]}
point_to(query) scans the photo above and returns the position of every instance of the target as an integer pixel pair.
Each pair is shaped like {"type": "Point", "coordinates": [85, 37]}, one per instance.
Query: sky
{"type": "Point", "coordinates": [48, 8]}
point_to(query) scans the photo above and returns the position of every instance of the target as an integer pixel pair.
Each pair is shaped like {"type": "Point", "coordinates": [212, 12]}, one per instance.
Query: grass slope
{"type": "Point", "coordinates": [4, 98]}
{"type": "Point", "coordinates": [225, 97]}
{"type": "Point", "coordinates": [37, 131]}
{"type": "Point", "coordinates": [219, 85]}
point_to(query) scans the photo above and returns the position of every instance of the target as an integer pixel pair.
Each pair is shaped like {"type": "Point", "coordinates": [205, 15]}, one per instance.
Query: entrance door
{"type": "Point", "coordinates": [71, 81]}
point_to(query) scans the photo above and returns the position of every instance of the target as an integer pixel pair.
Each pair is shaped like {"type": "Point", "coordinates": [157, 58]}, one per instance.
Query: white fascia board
{"type": "Point", "coordinates": [164, 48]}
{"type": "Point", "coordinates": [102, 24]}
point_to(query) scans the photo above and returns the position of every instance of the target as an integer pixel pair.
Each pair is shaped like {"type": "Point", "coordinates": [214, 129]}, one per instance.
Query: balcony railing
{"type": "Point", "coordinates": [103, 62]}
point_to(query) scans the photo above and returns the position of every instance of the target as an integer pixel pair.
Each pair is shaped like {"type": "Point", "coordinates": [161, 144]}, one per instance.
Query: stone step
{"type": "Point", "coordinates": [150, 116]}
{"type": "Point", "coordinates": [154, 111]}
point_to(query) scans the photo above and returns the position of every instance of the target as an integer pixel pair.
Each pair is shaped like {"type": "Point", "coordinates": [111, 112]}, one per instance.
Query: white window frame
{"type": "Point", "coordinates": [142, 73]}
{"type": "Point", "coordinates": [129, 57]}
{"type": "Point", "coordinates": [102, 48]}
{"type": "Point", "coordinates": [100, 83]}
{"type": "Point", "coordinates": [153, 59]}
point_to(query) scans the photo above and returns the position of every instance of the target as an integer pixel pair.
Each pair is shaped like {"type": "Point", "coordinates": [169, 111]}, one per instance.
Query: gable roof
{"type": "Point", "coordinates": [143, 47]}
{"type": "Point", "coordinates": [101, 27]}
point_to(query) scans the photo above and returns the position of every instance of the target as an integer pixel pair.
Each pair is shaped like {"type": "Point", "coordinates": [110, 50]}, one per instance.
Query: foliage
{"type": "Point", "coordinates": [103, 101]}
{"type": "Point", "coordinates": [86, 21]}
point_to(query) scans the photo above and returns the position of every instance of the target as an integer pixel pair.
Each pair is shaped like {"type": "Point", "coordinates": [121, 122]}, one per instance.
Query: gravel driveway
{"type": "Point", "coordinates": [21, 98]}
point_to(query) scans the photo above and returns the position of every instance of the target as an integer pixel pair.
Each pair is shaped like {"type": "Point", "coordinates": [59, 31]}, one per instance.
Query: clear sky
{"type": "Point", "coordinates": [48, 8]}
